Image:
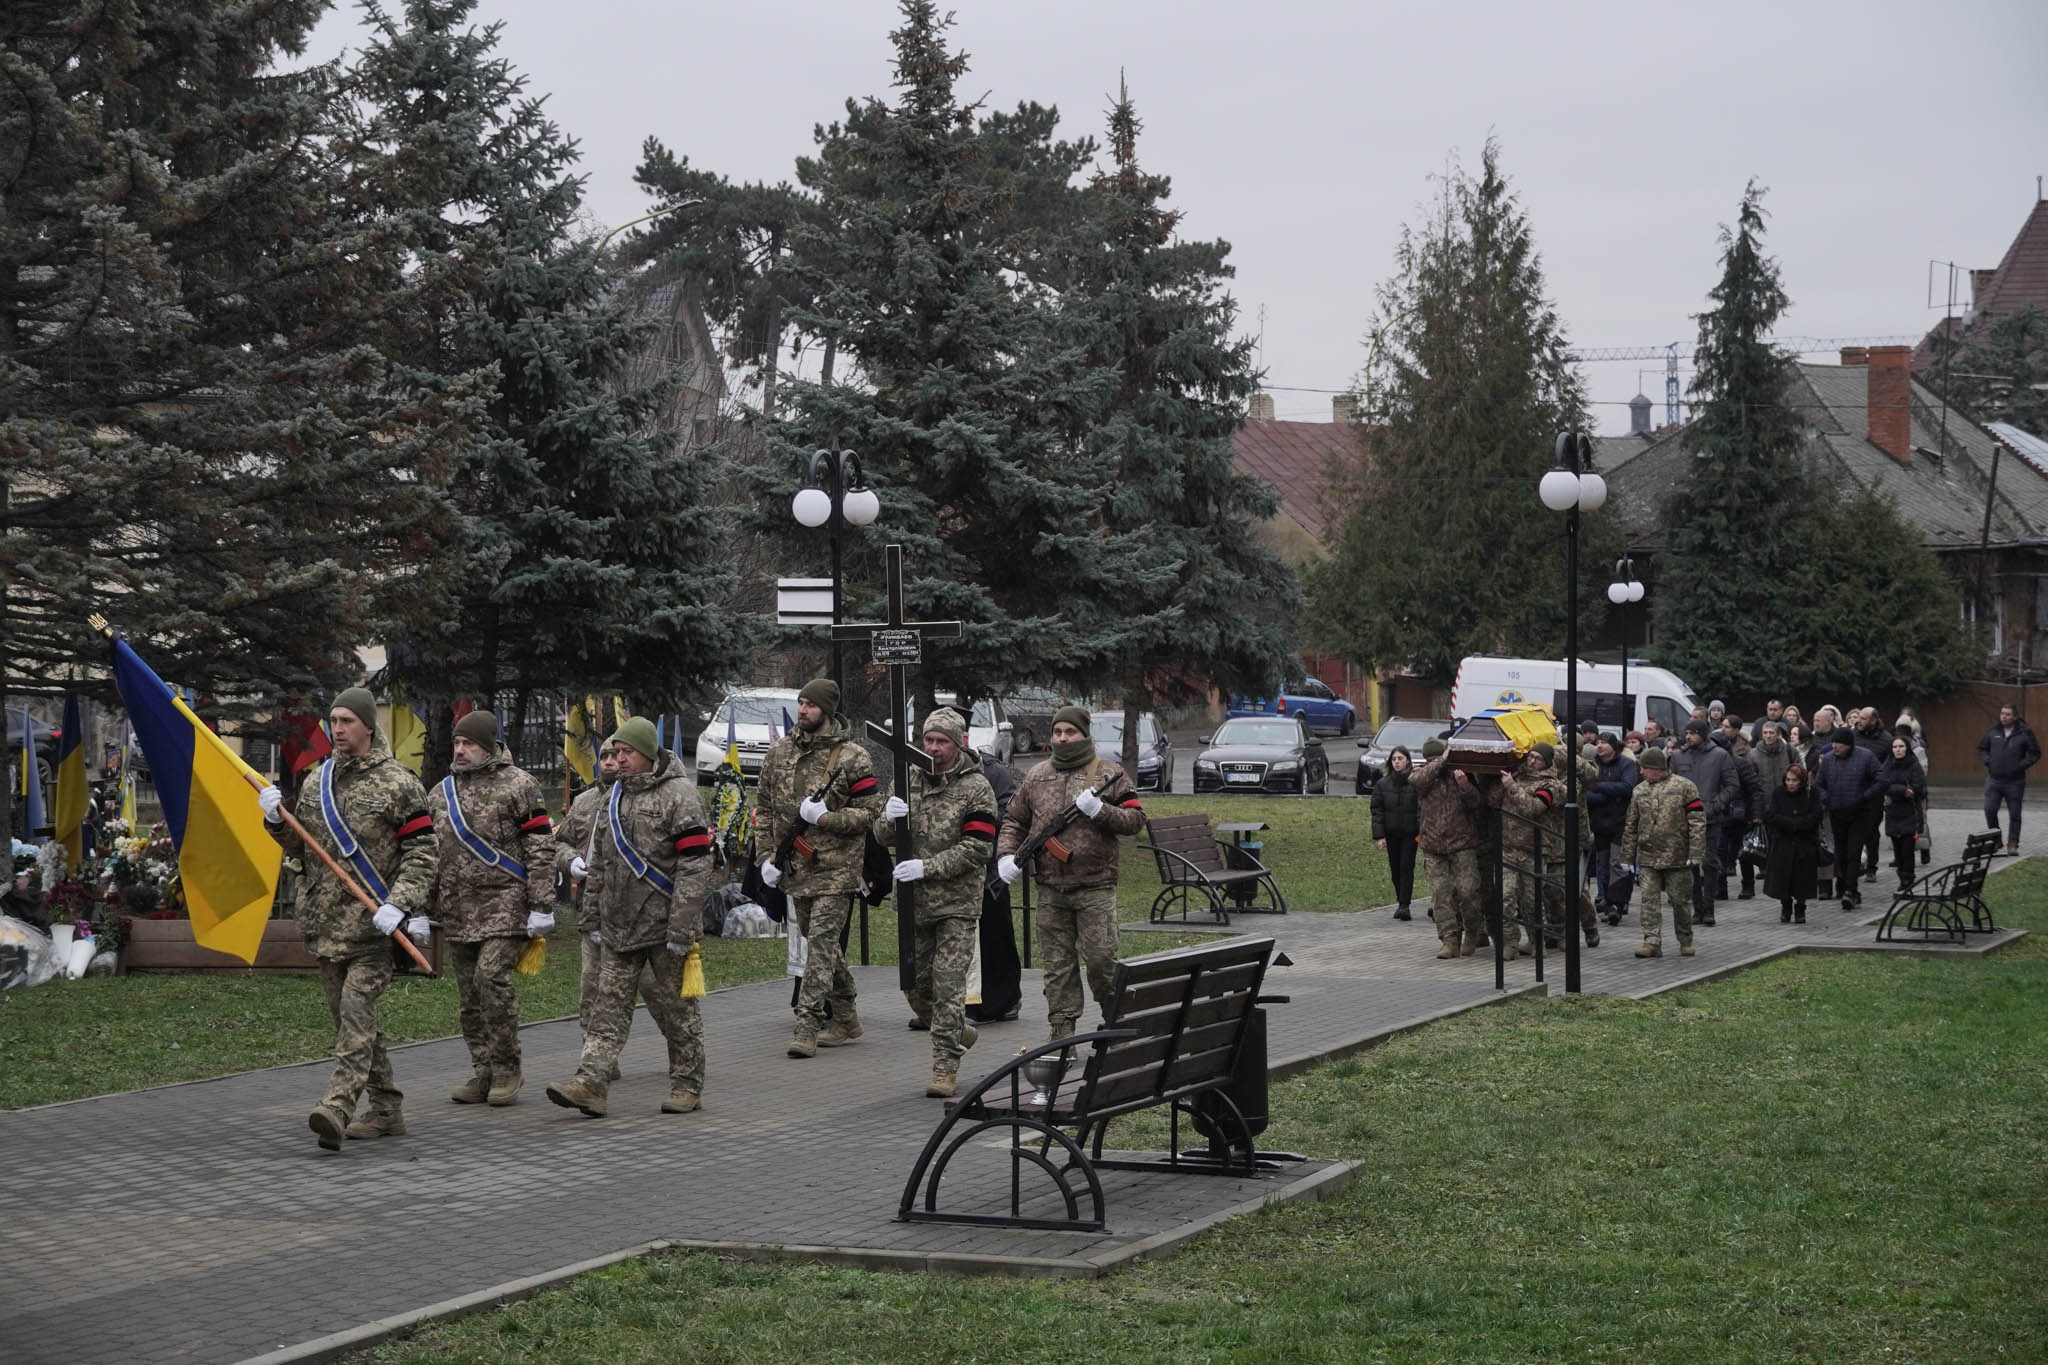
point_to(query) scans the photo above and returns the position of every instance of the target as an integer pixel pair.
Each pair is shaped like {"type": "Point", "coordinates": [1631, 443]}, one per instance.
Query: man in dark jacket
{"type": "Point", "coordinates": [1774, 714]}
{"type": "Point", "coordinates": [2007, 750]}
{"type": "Point", "coordinates": [1735, 832]}
{"type": "Point", "coordinates": [1710, 769]}
{"type": "Point", "coordinates": [1871, 737]}
{"type": "Point", "coordinates": [1607, 801]}
{"type": "Point", "coordinates": [1848, 785]}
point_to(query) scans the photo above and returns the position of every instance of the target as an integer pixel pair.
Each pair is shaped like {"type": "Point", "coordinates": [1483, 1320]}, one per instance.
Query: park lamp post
{"type": "Point", "coordinates": [838, 497]}
{"type": "Point", "coordinates": [1624, 590]}
{"type": "Point", "coordinates": [1571, 488]}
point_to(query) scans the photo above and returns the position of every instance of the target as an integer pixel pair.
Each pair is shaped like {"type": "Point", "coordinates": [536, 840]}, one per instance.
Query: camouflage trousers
{"type": "Point", "coordinates": [586, 997]}
{"type": "Point", "coordinates": [1455, 896]}
{"type": "Point", "coordinates": [820, 918]}
{"type": "Point", "coordinates": [1654, 885]}
{"type": "Point", "coordinates": [353, 986]}
{"type": "Point", "coordinates": [490, 1010]}
{"type": "Point", "coordinates": [945, 951]}
{"type": "Point", "coordinates": [1519, 906]}
{"type": "Point", "coordinates": [1076, 927]}
{"type": "Point", "coordinates": [656, 975]}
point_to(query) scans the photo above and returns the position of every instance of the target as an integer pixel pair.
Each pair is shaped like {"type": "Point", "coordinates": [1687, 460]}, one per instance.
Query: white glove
{"type": "Point", "coordinates": [1088, 803]}
{"type": "Point", "coordinates": [1694, 864]}
{"type": "Point", "coordinates": [272, 801]}
{"type": "Point", "coordinates": [895, 808]}
{"type": "Point", "coordinates": [578, 869]}
{"type": "Point", "coordinates": [596, 939]}
{"type": "Point", "coordinates": [810, 810]}
{"type": "Point", "coordinates": [388, 918]}
{"type": "Point", "coordinates": [419, 931]}
{"type": "Point", "coordinates": [679, 949]}
{"type": "Point", "coordinates": [771, 875]}
{"type": "Point", "coordinates": [538, 922]}
{"type": "Point", "coordinates": [910, 870]}
{"type": "Point", "coordinates": [1007, 869]}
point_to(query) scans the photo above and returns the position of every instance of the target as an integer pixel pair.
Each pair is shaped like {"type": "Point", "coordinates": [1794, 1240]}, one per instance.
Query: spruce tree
{"type": "Point", "coordinates": [1443, 549]}
{"type": "Point", "coordinates": [589, 554]}
{"type": "Point", "coordinates": [1214, 607]}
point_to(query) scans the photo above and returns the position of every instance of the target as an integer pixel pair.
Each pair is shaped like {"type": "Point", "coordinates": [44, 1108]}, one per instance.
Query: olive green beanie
{"type": "Point", "coordinates": [359, 702]}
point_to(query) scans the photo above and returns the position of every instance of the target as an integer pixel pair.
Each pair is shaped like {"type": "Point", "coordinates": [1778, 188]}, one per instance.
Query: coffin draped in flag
{"type": "Point", "coordinates": [226, 859]}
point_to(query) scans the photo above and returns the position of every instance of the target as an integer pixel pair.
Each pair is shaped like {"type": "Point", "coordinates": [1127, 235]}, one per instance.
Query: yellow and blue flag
{"type": "Point", "coordinates": [579, 746]}
{"type": "Point", "coordinates": [69, 815]}
{"type": "Point", "coordinates": [228, 862]}
{"type": "Point", "coordinates": [408, 732]}
{"type": "Point", "coordinates": [32, 779]}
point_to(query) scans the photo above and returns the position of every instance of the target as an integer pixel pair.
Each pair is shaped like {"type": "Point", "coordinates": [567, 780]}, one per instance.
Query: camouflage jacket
{"type": "Point", "coordinates": [386, 809]}
{"type": "Point", "coordinates": [663, 820]}
{"type": "Point", "coordinates": [952, 827]}
{"type": "Point", "coordinates": [1538, 797]}
{"type": "Point", "coordinates": [792, 769]}
{"type": "Point", "coordinates": [1451, 814]}
{"type": "Point", "coordinates": [501, 806]}
{"type": "Point", "coordinates": [576, 838]}
{"type": "Point", "coordinates": [1043, 794]}
{"type": "Point", "coordinates": [1667, 824]}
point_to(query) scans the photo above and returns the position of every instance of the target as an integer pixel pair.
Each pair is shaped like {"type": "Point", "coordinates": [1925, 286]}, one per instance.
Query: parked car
{"type": "Point", "coordinates": [1401, 730]}
{"type": "Point", "coordinates": [752, 714]}
{"type": "Point", "coordinates": [1307, 699]}
{"type": "Point", "coordinates": [1263, 753]}
{"type": "Point", "coordinates": [1030, 711]}
{"type": "Point", "coordinates": [989, 731]}
{"type": "Point", "coordinates": [1155, 747]}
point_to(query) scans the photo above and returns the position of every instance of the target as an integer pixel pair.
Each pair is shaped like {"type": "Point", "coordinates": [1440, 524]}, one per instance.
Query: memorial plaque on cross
{"type": "Point", "coordinates": [900, 644]}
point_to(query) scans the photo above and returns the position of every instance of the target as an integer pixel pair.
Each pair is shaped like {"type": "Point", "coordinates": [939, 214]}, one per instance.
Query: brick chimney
{"type": "Point", "coordinates": [1344, 407]}
{"type": "Point", "coordinates": [1262, 407]}
{"type": "Point", "coordinates": [1890, 401]}
{"type": "Point", "coordinates": [1855, 355]}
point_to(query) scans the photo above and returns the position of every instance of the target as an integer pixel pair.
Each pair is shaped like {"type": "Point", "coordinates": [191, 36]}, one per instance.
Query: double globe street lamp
{"type": "Point", "coordinates": [837, 498]}
{"type": "Point", "coordinates": [1571, 488]}
{"type": "Point", "coordinates": [1622, 592]}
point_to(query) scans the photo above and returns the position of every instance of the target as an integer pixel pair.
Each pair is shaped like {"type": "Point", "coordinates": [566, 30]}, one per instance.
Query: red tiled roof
{"type": "Point", "coordinates": [2021, 279]}
{"type": "Point", "coordinates": [1294, 459]}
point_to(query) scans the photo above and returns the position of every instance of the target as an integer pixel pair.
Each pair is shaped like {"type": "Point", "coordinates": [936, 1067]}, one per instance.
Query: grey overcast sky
{"type": "Point", "coordinates": [1305, 134]}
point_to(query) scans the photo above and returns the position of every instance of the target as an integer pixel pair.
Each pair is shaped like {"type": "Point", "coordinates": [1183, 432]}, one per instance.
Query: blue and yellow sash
{"type": "Point", "coordinates": [345, 838]}
{"type": "Point", "coordinates": [474, 842]}
{"type": "Point", "coordinates": [635, 862]}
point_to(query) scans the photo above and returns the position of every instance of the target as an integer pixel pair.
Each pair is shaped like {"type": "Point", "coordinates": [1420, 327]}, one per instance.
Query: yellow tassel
{"type": "Point", "coordinates": [533, 957]}
{"type": "Point", "coordinates": [693, 974]}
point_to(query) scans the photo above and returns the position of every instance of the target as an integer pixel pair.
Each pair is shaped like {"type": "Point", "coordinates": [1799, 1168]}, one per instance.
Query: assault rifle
{"type": "Point", "coordinates": [1047, 837]}
{"type": "Point", "coordinates": [772, 898]}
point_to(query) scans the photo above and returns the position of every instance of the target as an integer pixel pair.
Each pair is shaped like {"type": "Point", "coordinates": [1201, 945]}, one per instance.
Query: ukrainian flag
{"type": "Point", "coordinates": [70, 810]}
{"type": "Point", "coordinates": [579, 746]}
{"type": "Point", "coordinates": [229, 864]}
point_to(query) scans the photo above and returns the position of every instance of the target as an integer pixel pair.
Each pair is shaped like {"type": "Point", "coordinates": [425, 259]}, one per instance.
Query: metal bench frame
{"type": "Point", "coordinates": [1935, 904]}
{"type": "Point", "coordinates": [1184, 875]}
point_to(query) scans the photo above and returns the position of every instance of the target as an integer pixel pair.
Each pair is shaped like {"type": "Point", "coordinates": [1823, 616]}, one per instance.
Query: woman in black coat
{"type": "Point", "coordinates": [1792, 866]}
{"type": "Point", "coordinates": [1905, 786]}
{"type": "Point", "coordinates": [1396, 820]}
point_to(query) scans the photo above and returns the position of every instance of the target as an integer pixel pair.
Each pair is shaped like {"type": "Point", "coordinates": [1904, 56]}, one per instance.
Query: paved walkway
{"type": "Point", "coordinates": [207, 1226]}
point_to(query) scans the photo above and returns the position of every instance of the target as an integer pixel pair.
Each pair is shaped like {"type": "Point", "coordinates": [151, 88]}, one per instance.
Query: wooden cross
{"type": "Point", "coordinates": [899, 644]}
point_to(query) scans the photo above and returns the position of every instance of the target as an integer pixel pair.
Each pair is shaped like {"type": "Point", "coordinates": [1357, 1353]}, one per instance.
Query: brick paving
{"type": "Point", "coordinates": [207, 1226]}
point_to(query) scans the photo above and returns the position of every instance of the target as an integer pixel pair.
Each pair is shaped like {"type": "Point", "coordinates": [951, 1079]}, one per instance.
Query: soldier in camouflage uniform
{"type": "Point", "coordinates": [825, 863]}
{"type": "Point", "coordinates": [1535, 792]}
{"type": "Point", "coordinates": [1077, 912]}
{"type": "Point", "coordinates": [575, 846]}
{"type": "Point", "coordinates": [652, 867]}
{"type": "Point", "coordinates": [1666, 838]}
{"type": "Point", "coordinates": [1452, 806]}
{"type": "Point", "coordinates": [952, 828]}
{"type": "Point", "coordinates": [384, 811]}
{"type": "Point", "coordinates": [488, 909]}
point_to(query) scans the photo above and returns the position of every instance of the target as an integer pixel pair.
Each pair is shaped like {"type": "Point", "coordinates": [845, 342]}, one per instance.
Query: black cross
{"type": "Point", "coordinates": [899, 644]}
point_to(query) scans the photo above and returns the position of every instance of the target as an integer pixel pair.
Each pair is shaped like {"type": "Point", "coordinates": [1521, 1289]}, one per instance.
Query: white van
{"type": "Point", "coordinates": [1657, 694]}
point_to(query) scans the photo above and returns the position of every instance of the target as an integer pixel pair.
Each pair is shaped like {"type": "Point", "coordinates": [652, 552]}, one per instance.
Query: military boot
{"type": "Point", "coordinates": [1685, 949]}
{"type": "Point", "coordinates": [804, 1042]}
{"type": "Point", "coordinates": [1468, 944]}
{"type": "Point", "coordinates": [577, 1095]}
{"type": "Point", "coordinates": [328, 1123]}
{"type": "Point", "coordinates": [376, 1125]}
{"type": "Point", "coordinates": [474, 1090]}
{"type": "Point", "coordinates": [680, 1101]}
{"type": "Point", "coordinates": [968, 1033]}
{"type": "Point", "coordinates": [1592, 936]}
{"type": "Point", "coordinates": [943, 1084]}
{"type": "Point", "coordinates": [841, 1032]}
{"type": "Point", "coordinates": [1651, 948]}
{"type": "Point", "coordinates": [1448, 950]}
{"type": "Point", "coordinates": [506, 1088]}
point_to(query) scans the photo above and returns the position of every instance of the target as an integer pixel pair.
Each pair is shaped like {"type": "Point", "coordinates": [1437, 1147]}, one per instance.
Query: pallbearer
{"type": "Point", "coordinates": [493, 890]}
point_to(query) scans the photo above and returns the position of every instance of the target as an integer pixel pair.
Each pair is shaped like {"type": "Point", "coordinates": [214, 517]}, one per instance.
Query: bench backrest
{"type": "Point", "coordinates": [1981, 848]}
{"type": "Point", "coordinates": [1190, 1007]}
{"type": "Point", "coordinates": [1191, 838]}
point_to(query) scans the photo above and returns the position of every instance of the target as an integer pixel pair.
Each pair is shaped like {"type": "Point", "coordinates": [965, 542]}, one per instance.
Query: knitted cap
{"type": "Point", "coordinates": [360, 703]}
{"type": "Point", "coordinates": [1072, 715]}
{"type": "Point", "coordinates": [948, 722]}
{"type": "Point", "coordinates": [1840, 735]}
{"type": "Point", "coordinates": [1544, 750]}
{"type": "Point", "coordinates": [479, 728]}
{"type": "Point", "coordinates": [638, 733]}
{"type": "Point", "coordinates": [1431, 748]}
{"type": "Point", "coordinates": [1697, 727]}
{"type": "Point", "coordinates": [1654, 758]}
{"type": "Point", "coordinates": [822, 693]}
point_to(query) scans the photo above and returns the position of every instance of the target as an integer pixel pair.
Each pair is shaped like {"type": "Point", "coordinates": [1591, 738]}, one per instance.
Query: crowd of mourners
{"type": "Point", "coordinates": [1806, 809]}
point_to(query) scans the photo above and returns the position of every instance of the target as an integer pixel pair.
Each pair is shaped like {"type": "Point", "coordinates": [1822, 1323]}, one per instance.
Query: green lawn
{"type": "Point", "coordinates": [1320, 851]}
{"type": "Point", "coordinates": [1832, 1158]}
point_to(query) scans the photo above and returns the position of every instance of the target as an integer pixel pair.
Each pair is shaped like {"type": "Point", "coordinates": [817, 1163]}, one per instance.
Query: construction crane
{"type": "Point", "coordinates": [1673, 352]}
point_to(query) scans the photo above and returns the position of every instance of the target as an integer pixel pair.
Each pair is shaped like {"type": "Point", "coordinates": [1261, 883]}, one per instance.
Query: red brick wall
{"type": "Point", "coordinates": [1891, 417]}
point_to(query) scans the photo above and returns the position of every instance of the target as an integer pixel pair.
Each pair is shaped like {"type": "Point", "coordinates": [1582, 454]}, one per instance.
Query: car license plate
{"type": "Point", "coordinates": [1241, 777]}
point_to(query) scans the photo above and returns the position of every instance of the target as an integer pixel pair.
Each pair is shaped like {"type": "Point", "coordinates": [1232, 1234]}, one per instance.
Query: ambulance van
{"type": "Point", "coordinates": [1654, 693]}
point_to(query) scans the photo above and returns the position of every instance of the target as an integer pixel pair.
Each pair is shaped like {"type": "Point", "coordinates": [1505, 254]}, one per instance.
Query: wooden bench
{"type": "Point", "coordinates": [1199, 872]}
{"type": "Point", "coordinates": [1936, 903]}
{"type": "Point", "coordinates": [1172, 1035]}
